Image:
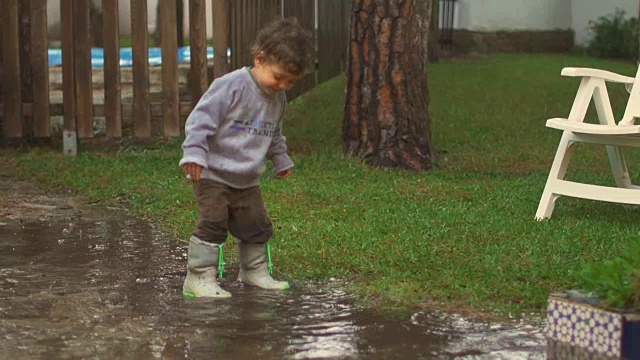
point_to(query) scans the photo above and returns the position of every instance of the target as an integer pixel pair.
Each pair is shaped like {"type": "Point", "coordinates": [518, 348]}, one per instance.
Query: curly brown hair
{"type": "Point", "coordinates": [283, 41]}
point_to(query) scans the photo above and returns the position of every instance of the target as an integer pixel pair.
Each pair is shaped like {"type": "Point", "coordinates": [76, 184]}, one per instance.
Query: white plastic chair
{"type": "Point", "coordinates": [608, 133]}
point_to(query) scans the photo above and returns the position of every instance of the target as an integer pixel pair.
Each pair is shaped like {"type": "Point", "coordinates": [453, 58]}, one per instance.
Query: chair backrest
{"type": "Point", "coordinates": [633, 105]}
{"type": "Point", "coordinates": [594, 87]}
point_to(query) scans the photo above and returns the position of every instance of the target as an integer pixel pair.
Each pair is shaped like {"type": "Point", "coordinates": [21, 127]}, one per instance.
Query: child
{"type": "Point", "coordinates": [235, 126]}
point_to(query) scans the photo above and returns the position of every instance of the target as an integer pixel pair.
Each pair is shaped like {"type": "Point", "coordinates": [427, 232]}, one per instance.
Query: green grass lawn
{"type": "Point", "coordinates": [462, 235]}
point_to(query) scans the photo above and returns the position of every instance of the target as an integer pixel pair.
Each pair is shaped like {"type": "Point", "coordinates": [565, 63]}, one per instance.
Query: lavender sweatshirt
{"type": "Point", "coordinates": [232, 130]}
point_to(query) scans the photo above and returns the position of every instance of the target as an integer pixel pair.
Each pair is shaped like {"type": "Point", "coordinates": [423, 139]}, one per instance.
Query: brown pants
{"type": "Point", "coordinates": [225, 209]}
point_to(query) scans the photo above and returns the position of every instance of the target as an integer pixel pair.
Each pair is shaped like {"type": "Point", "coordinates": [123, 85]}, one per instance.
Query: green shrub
{"type": "Point", "coordinates": [614, 36]}
{"type": "Point", "coordinates": [617, 280]}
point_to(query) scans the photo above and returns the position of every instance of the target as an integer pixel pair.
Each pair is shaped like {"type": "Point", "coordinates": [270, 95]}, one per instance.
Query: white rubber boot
{"type": "Point", "coordinates": [254, 267]}
{"type": "Point", "coordinates": [202, 270]}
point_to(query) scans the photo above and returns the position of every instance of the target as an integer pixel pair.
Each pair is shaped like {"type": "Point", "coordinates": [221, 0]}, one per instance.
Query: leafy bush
{"type": "Point", "coordinates": [613, 36]}
{"type": "Point", "coordinates": [616, 281]}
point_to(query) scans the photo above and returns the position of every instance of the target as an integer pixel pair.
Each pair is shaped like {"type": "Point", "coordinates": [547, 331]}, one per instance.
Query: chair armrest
{"type": "Point", "coordinates": [594, 129]}
{"type": "Point", "coordinates": [602, 74]}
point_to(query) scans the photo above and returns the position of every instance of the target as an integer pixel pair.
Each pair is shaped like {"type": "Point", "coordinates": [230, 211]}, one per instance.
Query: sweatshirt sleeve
{"type": "Point", "coordinates": [278, 149]}
{"type": "Point", "coordinates": [203, 122]}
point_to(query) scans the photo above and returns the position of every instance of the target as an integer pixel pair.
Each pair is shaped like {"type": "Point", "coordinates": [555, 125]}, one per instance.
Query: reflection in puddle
{"type": "Point", "coordinates": [523, 339]}
{"type": "Point", "coordinates": [100, 284]}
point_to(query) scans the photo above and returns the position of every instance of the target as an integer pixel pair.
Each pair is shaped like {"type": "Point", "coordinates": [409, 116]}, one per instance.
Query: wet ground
{"type": "Point", "coordinates": [81, 281]}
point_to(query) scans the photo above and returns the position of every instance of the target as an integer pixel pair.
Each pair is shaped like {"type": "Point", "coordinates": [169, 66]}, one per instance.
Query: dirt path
{"type": "Point", "coordinates": [21, 202]}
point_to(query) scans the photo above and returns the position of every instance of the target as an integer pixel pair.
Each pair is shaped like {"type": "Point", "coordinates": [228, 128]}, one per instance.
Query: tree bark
{"type": "Point", "coordinates": [386, 117]}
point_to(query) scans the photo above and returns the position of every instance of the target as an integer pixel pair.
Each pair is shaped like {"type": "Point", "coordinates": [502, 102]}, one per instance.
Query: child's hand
{"type": "Point", "coordinates": [193, 170]}
{"type": "Point", "coordinates": [285, 174]}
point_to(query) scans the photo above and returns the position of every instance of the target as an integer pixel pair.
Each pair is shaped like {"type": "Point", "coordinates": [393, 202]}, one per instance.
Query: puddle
{"type": "Point", "coordinates": [78, 281]}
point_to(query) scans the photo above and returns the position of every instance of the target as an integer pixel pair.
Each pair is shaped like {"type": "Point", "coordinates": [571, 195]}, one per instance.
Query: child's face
{"type": "Point", "coordinates": [272, 77]}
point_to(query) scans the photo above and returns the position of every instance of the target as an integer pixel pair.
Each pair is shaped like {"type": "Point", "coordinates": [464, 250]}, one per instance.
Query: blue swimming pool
{"type": "Point", "coordinates": [126, 56]}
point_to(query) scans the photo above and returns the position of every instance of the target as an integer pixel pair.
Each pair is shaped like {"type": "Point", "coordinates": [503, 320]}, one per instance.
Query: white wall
{"type": "Point", "coordinates": [495, 15]}
{"type": "Point", "coordinates": [209, 16]}
{"type": "Point", "coordinates": [124, 6]}
{"type": "Point", "coordinates": [586, 10]}
{"type": "Point", "coordinates": [53, 16]}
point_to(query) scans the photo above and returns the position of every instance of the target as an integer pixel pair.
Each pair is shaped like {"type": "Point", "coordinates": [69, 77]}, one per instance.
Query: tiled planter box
{"type": "Point", "coordinates": [579, 329]}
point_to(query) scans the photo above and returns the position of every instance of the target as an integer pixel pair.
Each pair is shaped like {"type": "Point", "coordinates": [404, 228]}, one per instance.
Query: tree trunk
{"type": "Point", "coordinates": [386, 117]}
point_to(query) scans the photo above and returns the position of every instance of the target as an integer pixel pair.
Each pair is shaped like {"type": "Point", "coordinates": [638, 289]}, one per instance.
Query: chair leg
{"type": "Point", "coordinates": [546, 205]}
{"type": "Point", "coordinates": [619, 167]}
{"type": "Point", "coordinates": [557, 172]}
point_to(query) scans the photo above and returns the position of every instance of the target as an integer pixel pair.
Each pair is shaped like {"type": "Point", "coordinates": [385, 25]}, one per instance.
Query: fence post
{"type": "Point", "coordinates": [198, 36]}
{"type": "Point", "coordinates": [170, 95]}
{"type": "Point", "coordinates": [221, 14]}
{"type": "Point", "coordinates": [83, 69]}
{"type": "Point", "coordinates": [112, 100]}
{"type": "Point", "coordinates": [1, 50]}
{"type": "Point", "coordinates": [12, 99]}
{"type": "Point", "coordinates": [40, 68]}
{"type": "Point", "coordinates": [433, 45]}
{"type": "Point", "coordinates": [26, 76]}
{"type": "Point", "coordinates": [69, 135]}
{"type": "Point", "coordinates": [140, 45]}
{"type": "Point", "coordinates": [447, 11]}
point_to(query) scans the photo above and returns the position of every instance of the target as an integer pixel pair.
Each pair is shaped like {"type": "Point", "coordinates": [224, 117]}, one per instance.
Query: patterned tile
{"type": "Point", "coordinates": [584, 326]}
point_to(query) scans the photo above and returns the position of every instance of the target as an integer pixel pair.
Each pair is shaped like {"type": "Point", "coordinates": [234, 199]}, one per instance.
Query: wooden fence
{"type": "Point", "coordinates": [332, 35]}
{"type": "Point", "coordinates": [304, 11]}
{"type": "Point", "coordinates": [26, 111]}
{"type": "Point", "coordinates": [446, 18]}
